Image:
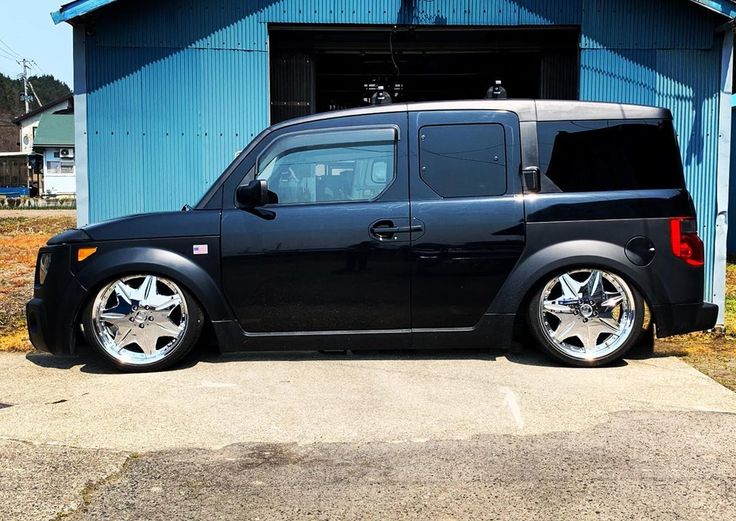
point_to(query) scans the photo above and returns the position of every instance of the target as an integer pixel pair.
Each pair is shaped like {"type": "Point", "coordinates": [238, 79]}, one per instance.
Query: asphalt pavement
{"type": "Point", "coordinates": [435, 435]}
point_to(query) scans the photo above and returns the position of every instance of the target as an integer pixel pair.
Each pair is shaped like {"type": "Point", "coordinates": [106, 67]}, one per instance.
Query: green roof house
{"type": "Point", "coordinates": [47, 134]}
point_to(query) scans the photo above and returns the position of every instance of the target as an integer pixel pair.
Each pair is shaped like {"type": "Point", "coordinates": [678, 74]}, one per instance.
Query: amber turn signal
{"type": "Point", "coordinates": [83, 253]}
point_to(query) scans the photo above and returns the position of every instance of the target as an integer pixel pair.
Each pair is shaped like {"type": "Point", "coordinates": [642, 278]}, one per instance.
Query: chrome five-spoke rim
{"type": "Point", "coordinates": [139, 319]}
{"type": "Point", "coordinates": [587, 313]}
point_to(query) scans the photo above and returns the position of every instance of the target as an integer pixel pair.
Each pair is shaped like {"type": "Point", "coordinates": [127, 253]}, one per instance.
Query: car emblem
{"type": "Point", "coordinates": [200, 249]}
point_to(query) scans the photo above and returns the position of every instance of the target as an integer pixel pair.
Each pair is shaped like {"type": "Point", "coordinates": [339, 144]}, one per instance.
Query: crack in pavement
{"type": "Point", "coordinates": [91, 486]}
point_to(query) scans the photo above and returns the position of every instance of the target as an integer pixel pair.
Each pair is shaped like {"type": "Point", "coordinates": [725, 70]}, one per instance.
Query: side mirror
{"type": "Point", "coordinates": [254, 194]}
{"type": "Point", "coordinates": [532, 179]}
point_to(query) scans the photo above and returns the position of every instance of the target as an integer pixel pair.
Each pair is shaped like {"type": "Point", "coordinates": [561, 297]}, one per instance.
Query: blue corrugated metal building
{"type": "Point", "coordinates": [167, 92]}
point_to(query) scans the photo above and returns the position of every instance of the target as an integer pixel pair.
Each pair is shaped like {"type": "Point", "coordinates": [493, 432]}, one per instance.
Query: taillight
{"type": "Point", "coordinates": [686, 244]}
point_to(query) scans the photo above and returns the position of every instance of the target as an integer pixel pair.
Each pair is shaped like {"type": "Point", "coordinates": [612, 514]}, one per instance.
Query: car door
{"type": "Point", "coordinates": [465, 193]}
{"type": "Point", "coordinates": [332, 255]}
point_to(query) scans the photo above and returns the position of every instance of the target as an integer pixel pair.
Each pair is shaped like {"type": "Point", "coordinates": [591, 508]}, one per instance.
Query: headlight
{"type": "Point", "coordinates": [43, 267]}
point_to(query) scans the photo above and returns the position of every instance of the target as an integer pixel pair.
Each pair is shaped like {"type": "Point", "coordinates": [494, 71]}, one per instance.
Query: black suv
{"type": "Point", "coordinates": [451, 224]}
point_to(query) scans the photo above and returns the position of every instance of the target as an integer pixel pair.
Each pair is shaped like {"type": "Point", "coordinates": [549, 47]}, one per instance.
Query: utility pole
{"type": "Point", "coordinates": [24, 63]}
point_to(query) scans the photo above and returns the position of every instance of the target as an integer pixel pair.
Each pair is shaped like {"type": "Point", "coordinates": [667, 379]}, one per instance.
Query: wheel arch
{"type": "Point", "coordinates": [128, 261]}
{"type": "Point", "coordinates": [535, 269]}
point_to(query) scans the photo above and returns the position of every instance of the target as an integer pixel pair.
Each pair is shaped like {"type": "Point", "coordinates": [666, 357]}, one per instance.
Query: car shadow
{"type": "Point", "coordinates": [89, 362]}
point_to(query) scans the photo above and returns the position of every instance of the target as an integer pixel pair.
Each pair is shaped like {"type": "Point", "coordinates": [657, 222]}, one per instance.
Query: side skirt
{"type": "Point", "coordinates": [493, 330]}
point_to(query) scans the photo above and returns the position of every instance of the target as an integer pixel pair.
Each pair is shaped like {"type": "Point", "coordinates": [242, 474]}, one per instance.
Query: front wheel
{"type": "Point", "coordinates": [142, 322]}
{"type": "Point", "coordinates": [586, 316]}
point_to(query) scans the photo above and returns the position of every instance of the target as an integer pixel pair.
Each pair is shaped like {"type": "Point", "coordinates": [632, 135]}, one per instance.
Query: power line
{"type": "Point", "coordinates": [7, 55]}
{"type": "Point", "coordinates": [11, 54]}
{"type": "Point", "coordinates": [36, 66]}
{"type": "Point", "coordinates": [12, 51]}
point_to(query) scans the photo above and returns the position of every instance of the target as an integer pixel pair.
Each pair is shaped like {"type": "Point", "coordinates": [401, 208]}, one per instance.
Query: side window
{"type": "Point", "coordinates": [592, 156]}
{"type": "Point", "coordinates": [330, 166]}
{"type": "Point", "coordinates": [463, 160]}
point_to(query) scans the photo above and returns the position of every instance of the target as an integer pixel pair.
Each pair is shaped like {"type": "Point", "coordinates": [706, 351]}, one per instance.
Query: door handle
{"type": "Point", "coordinates": [397, 229]}
{"type": "Point", "coordinates": [386, 230]}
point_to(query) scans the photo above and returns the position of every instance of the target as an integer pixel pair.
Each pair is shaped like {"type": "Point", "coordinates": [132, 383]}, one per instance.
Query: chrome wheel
{"type": "Point", "coordinates": [139, 319]}
{"type": "Point", "coordinates": [587, 314]}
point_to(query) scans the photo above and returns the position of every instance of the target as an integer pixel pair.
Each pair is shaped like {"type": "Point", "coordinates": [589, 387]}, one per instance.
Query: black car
{"type": "Point", "coordinates": [428, 225]}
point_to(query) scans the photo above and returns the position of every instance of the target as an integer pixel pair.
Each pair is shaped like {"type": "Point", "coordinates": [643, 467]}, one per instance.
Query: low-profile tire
{"type": "Point", "coordinates": [142, 322]}
{"type": "Point", "coordinates": [586, 317]}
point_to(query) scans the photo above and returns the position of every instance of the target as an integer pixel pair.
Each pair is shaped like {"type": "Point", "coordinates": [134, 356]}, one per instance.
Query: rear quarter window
{"type": "Point", "coordinates": [463, 160]}
{"type": "Point", "coordinates": [592, 156]}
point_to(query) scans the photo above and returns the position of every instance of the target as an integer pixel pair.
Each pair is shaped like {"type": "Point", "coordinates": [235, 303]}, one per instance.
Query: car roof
{"type": "Point", "coordinates": [525, 109]}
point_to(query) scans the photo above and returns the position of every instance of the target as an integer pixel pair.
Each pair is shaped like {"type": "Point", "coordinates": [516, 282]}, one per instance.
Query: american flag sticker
{"type": "Point", "coordinates": [200, 249]}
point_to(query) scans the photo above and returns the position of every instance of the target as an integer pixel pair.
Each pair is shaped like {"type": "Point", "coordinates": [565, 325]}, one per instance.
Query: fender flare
{"type": "Point", "coordinates": [531, 270]}
{"type": "Point", "coordinates": [166, 263]}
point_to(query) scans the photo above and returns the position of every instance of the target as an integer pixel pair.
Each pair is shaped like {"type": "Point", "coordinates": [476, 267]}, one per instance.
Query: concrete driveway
{"type": "Point", "coordinates": [437, 435]}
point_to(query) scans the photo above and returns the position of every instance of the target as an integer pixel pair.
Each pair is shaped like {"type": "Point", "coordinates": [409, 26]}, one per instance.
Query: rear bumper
{"type": "Point", "coordinates": [678, 319]}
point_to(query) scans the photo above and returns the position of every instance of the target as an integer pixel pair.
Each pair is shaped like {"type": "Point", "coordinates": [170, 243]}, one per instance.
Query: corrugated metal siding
{"type": "Point", "coordinates": [452, 12]}
{"type": "Point", "coordinates": [653, 24]}
{"type": "Point", "coordinates": [623, 76]}
{"type": "Point", "coordinates": [212, 24]}
{"type": "Point", "coordinates": [163, 125]}
{"type": "Point", "coordinates": [175, 88]}
{"type": "Point", "coordinates": [237, 24]}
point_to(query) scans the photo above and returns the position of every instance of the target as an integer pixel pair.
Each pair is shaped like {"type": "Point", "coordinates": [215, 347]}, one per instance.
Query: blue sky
{"type": "Point", "coordinates": [26, 27]}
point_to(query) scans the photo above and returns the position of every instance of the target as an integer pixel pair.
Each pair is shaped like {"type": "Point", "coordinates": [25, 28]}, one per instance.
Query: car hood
{"type": "Point", "coordinates": [195, 223]}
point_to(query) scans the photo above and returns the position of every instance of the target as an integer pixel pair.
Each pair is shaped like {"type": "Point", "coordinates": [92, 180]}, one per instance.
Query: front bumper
{"type": "Point", "coordinates": [52, 313]}
{"type": "Point", "coordinates": [678, 319]}
{"type": "Point", "coordinates": [38, 328]}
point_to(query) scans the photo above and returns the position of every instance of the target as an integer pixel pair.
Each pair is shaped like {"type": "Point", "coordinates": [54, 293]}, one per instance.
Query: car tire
{"type": "Point", "coordinates": [586, 317]}
{"type": "Point", "coordinates": [142, 322]}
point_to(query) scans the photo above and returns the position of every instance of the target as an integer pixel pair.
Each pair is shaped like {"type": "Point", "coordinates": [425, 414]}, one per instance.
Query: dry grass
{"type": "Point", "coordinates": [20, 239]}
{"type": "Point", "coordinates": [714, 355]}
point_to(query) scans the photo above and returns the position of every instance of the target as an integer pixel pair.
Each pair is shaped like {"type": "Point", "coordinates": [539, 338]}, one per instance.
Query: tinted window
{"type": "Point", "coordinates": [349, 165]}
{"type": "Point", "coordinates": [589, 156]}
{"type": "Point", "coordinates": [464, 160]}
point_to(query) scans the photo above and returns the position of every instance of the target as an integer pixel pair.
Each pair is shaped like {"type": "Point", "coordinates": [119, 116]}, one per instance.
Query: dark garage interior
{"type": "Point", "coordinates": [321, 68]}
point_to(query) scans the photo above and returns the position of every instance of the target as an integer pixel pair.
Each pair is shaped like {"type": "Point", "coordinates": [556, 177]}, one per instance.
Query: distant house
{"type": "Point", "coordinates": [47, 137]}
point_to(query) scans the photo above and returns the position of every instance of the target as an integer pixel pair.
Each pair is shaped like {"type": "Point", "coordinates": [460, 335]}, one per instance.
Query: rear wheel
{"type": "Point", "coordinates": [143, 322]}
{"type": "Point", "coordinates": [586, 316]}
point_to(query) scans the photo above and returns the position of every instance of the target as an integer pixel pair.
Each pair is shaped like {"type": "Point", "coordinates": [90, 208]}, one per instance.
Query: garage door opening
{"type": "Point", "coordinates": [322, 68]}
